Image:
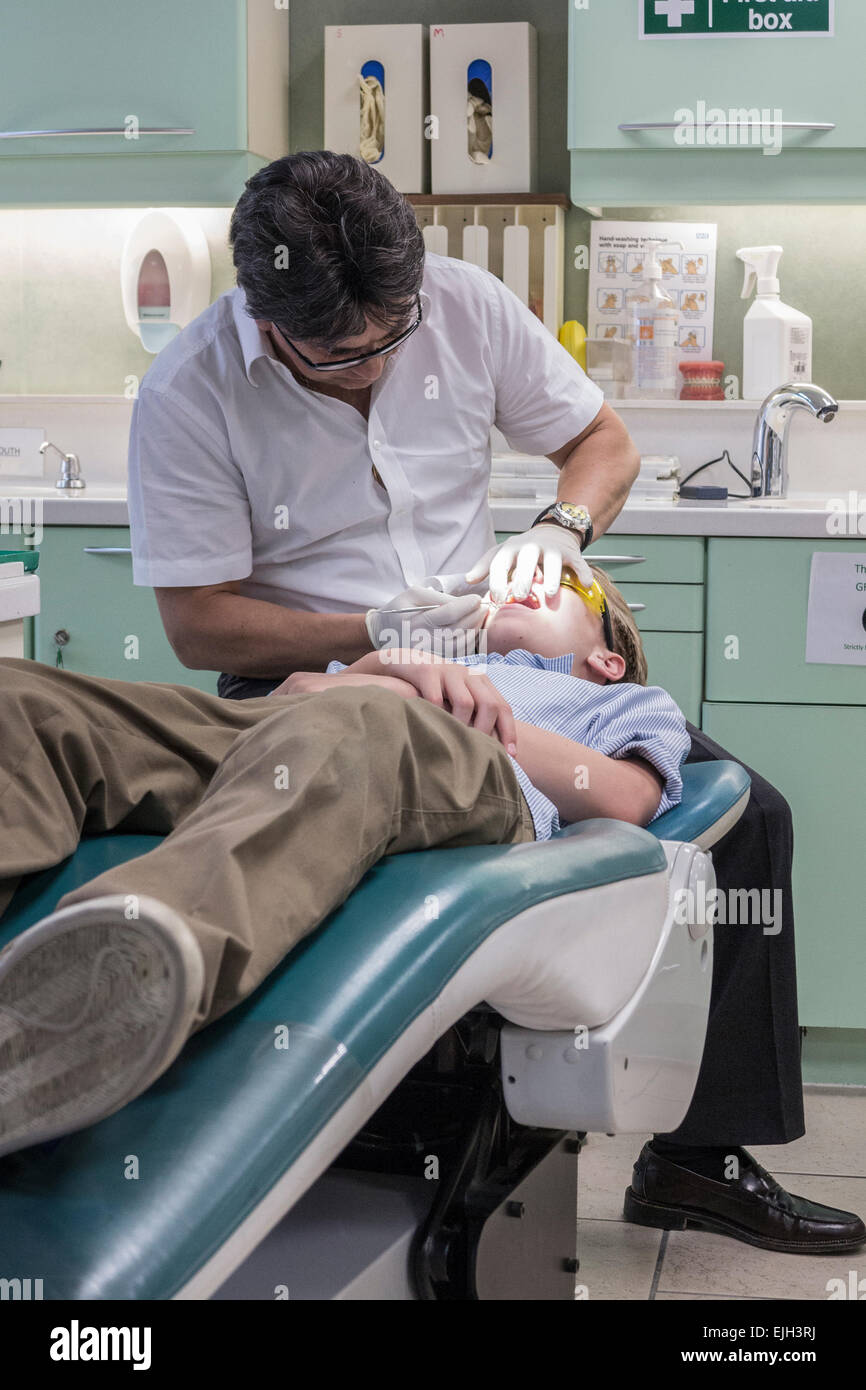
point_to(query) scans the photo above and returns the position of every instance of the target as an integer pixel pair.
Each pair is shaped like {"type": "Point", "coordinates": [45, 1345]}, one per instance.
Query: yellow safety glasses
{"type": "Point", "coordinates": [594, 598]}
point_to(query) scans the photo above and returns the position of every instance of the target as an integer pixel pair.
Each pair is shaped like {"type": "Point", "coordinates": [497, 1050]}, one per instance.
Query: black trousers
{"type": "Point", "coordinates": [749, 1088]}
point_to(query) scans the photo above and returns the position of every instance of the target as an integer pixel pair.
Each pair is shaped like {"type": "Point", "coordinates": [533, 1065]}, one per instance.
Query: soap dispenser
{"type": "Point", "coordinates": [165, 272]}
{"type": "Point", "coordinates": [653, 329]}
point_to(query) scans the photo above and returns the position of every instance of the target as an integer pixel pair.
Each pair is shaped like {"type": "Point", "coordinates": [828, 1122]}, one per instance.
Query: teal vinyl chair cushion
{"type": "Point", "coordinates": [214, 1134]}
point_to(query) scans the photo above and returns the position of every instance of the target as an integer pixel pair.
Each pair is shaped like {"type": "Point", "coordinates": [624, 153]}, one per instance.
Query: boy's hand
{"type": "Point", "coordinates": [467, 694]}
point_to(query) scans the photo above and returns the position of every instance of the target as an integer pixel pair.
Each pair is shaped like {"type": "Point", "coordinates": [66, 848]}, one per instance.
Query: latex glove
{"type": "Point", "coordinates": [546, 546]}
{"type": "Point", "coordinates": [462, 615]}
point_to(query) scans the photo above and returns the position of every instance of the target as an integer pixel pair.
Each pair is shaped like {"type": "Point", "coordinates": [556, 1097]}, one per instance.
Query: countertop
{"type": "Point", "coordinates": [801, 515]}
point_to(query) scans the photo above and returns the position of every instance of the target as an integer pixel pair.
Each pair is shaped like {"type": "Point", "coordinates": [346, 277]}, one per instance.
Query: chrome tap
{"type": "Point", "coordinates": [770, 446]}
{"type": "Point", "coordinates": [70, 470]}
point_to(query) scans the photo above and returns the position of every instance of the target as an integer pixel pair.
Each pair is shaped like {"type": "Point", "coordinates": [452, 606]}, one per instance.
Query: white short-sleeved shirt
{"type": "Point", "coordinates": [239, 472]}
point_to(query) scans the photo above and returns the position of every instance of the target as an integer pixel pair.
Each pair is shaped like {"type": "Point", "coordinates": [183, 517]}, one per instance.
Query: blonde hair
{"type": "Point", "coordinates": [626, 636]}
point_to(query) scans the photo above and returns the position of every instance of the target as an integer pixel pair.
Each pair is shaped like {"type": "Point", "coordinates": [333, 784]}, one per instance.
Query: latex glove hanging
{"type": "Point", "coordinates": [546, 546]}
{"type": "Point", "coordinates": [442, 621]}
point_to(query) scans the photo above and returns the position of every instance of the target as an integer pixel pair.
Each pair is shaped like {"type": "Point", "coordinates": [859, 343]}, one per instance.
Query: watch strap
{"type": "Point", "coordinates": [586, 536]}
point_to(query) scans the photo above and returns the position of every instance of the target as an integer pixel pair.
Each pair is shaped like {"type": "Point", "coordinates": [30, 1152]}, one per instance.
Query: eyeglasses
{"type": "Point", "coordinates": [594, 598]}
{"type": "Point", "coordinates": [345, 362]}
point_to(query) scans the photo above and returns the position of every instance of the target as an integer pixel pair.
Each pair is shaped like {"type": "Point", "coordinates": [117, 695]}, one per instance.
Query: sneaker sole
{"type": "Point", "coordinates": [643, 1213]}
{"type": "Point", "coordinates": [93, 1008]}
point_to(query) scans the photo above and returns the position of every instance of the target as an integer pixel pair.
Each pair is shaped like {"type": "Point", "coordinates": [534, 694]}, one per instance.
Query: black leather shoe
{"type": "Point", "coordinates": [754, 1208]}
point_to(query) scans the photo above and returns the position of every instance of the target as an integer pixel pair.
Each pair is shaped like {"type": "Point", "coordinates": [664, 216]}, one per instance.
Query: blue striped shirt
{"type": "Point", "coordinates": [618, 719]}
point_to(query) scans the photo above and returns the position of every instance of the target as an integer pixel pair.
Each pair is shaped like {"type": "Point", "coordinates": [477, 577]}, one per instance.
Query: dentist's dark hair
{"type": "Point", "coordinates": [321, 241]}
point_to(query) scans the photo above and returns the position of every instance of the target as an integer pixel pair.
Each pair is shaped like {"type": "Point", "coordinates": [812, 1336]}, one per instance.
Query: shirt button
{"type": "Point", "coordinates": [377, 443]}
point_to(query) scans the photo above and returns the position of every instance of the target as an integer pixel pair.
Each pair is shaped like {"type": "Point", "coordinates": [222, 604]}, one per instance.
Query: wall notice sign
{"type": "Point", "coordinates": [836, 622]}
{"type": "Point", "coordinates": [689, 19]}
{"type": "Point", "coordinates": [618, 254]}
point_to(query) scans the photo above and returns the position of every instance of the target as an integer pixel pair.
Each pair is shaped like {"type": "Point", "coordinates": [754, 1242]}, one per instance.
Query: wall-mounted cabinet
{"type": "Point", "coordinates": [627, 96]}
{"type": "Point", "coordinates": [207, 80]}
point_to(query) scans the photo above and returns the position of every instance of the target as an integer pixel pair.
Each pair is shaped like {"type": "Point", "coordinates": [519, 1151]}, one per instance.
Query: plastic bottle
{"type": "Point", "coordinates": [654, 321]}
{"type": "Point", "coordinates": [777, 340]}
{"type": "Point", "coordinates": [572, 335]}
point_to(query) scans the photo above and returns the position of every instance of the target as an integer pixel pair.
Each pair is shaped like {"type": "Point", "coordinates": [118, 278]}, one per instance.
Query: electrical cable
{"type": "Point", "coordinates": [724, 456]}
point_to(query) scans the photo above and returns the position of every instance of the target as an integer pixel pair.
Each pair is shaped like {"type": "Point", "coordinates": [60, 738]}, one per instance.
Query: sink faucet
{"type": "Point", "coordinates": [770, 446]}
{"type": "Point", "coordinates": [70, 470]}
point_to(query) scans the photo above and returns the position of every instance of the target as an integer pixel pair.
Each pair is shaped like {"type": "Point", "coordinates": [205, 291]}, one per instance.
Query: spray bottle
{"type": "Point", "coordinates": [777, 340]}
{"type": "Point", "coordinates": [654, 322]}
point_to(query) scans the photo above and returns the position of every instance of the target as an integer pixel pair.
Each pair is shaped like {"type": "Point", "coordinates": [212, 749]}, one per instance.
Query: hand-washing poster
{"type": "Point", "coordinates": [618, 262]}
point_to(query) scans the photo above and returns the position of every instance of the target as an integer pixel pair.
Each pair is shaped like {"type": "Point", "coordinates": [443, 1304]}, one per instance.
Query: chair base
{"type": "Point", "coordinates": [440, 1197]}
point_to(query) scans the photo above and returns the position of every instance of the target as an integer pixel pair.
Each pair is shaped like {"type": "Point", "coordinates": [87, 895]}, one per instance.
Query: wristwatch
{"type": "Point", "coordinates": [571, 517]}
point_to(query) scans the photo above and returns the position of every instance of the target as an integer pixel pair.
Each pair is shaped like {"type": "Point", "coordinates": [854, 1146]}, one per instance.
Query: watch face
{"type": "Point", "coordinates": [576, 514]}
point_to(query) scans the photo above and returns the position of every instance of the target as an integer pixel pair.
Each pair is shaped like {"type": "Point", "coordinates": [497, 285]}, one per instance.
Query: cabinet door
{"type": "Point", "coordinates": [649, 559]}
{"type": "Point", "coordinates": [757, 604]}
{"type": "Point", "coordinates": [814, 755]}
{"type": "Point", "coordinates": [617, 78]}
{"type": "Point", "coordinates": [675, 662]}
{"type": "Point", "coordinates": [666, 607]}
{"type": "Point", "coordinates": [96, 63]}
{"type": "Point", "coordinates": [114, 628]}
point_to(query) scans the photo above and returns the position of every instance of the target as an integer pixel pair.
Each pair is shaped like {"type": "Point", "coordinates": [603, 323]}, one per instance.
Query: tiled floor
{"type": "Point", "coordinates": [621, 1261]}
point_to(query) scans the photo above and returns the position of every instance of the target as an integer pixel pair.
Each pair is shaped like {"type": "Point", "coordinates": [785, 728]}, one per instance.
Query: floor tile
{"type": "Point", "coordinates": [604, 1172]}
{"type": "Point", "coordinates": [697, 1262]}
{"type": "Point", "coordinates": [617, 1259]}
{"type": "Point", "coordinates": [834, 1143]}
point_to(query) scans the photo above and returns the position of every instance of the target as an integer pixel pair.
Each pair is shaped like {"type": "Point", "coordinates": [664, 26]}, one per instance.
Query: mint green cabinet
{"type": "Point", "coordinates": [664, 577]}
{"type": "Point", "coordinates": [814, 755]}
{"type": "Point", "coordinates": [666, 607]}
{"type": "Point", "coordinates": [758, 592]}
{"type": "Point", "coordinates": [113, 627]}
{"type": "Point", "coordinates": [616, 78]}
{"type": "Point", "coordinates": [675, 662]}
{"type": "Point", "coordinates": [650, 559]}
{"type": "Point", "coordinates": [218, 68]}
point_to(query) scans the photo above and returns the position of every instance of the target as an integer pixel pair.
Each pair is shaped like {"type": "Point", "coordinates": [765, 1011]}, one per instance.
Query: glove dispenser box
{"type": "Point", "coordinates": [483, 108]}
{"type": "Point", "coordinates": [374, 98]}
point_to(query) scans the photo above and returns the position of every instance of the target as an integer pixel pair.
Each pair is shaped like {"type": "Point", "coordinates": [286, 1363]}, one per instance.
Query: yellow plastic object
{"type": "Point", "coordinates": [572, 335]}
{"type": "Point", "coordinates": [594, 597]}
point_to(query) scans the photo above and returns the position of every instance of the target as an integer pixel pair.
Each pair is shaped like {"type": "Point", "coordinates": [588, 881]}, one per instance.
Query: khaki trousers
{"type": "Point", "coordinates": [273, 809]}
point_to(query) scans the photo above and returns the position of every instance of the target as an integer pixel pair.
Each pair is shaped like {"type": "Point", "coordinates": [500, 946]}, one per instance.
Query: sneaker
{"type": "Point", "coordinates": [93, 1008]}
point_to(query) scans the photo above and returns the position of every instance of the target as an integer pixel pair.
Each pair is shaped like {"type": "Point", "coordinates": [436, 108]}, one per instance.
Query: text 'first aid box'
{"type": "Point", "coordinates": [502, 58]}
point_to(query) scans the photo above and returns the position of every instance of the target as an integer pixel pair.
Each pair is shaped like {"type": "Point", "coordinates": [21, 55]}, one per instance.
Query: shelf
{"type": "Point", "coordinates": [559, 200]}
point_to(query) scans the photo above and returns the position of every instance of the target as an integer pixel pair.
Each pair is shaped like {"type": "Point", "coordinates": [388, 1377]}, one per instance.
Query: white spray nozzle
{"type": "Point", "coordinates": [762, 264]}
{"type": "Point", "coordinates": [654, 271]}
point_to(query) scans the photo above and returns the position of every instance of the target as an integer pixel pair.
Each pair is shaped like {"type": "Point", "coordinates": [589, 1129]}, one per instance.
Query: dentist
{"type": "Point", "coordinates": [314, 449]}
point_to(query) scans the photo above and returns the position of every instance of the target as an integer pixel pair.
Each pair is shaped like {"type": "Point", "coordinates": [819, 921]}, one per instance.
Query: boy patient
{"type": "Point", "coordinates": [273, 809]}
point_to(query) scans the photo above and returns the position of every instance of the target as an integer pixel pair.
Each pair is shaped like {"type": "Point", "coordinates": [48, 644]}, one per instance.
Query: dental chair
{"type": "Point", "coordinates": [397, 1111]}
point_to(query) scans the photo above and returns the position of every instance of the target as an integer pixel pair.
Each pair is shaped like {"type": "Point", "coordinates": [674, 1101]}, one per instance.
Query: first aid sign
{"type": "Point", "coordinates": [685, 19]}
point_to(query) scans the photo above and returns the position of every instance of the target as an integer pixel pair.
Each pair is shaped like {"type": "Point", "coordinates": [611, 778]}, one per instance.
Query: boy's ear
{"type": "Point", "coordinates": [609, 666]}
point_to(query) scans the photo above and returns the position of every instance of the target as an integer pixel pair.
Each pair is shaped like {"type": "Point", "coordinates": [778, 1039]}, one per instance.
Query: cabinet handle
{"type": "Point", "coordinates": [617, 559]}
{"type": "Point", "coordinates": [95, 130]}
{"type": "Point", "coordinates": [727, 125]}
{"type": "Point", "coordinates": [108, 549]}
{"type": "Point", "coordinates": [637, 607]}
